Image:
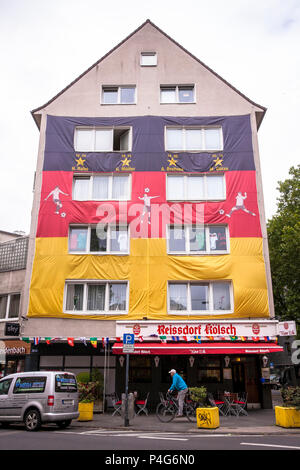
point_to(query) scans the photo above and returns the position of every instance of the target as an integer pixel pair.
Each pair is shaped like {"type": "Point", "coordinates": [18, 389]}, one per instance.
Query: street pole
{"type": "Point", "coordinates": [126, 421]}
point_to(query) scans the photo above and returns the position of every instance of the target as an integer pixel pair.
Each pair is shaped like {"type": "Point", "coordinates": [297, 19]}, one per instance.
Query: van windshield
{"type": "Point", "coordinates": [65, 383]}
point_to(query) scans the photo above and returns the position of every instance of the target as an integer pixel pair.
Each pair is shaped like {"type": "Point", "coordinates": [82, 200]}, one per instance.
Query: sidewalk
{"type": "Point", "coordinates": [257, 422]}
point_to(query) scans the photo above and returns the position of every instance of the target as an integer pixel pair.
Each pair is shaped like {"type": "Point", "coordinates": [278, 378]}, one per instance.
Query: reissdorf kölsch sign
{"type": "Point", "coordinates": [151, 328]}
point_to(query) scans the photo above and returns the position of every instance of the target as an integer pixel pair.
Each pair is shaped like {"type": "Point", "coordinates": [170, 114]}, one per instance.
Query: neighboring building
{"type": "Point", "coordinates": [13, 257]}
{"type": "Point", "coordinates": [151, 131]}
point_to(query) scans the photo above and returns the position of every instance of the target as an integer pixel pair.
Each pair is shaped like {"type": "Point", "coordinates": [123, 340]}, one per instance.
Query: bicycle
{"type": "Point", "coordinates": [167, 409]}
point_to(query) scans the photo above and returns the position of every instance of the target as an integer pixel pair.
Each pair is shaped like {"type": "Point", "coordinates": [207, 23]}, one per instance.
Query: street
{"type": "Point", "coordinates": [50, 438]}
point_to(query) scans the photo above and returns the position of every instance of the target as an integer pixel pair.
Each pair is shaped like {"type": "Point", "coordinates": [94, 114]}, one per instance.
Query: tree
{"type": "Point", "coordinates": [284, 247]}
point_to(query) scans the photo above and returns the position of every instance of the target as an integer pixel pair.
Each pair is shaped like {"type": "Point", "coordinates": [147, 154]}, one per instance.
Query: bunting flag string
{"type": "Point", "coordinates": [198, 339]}
{"type": "Point", "coordinates": [70, 341]}
{"type": "Point", "coordinates": [93, 342]}
{"type": "Point", "coordinates": [141, 339]}
{"type": "Point", "coordinates": [36, 340]}
{"type": "Point", "coordinates": [82, 339]}
{"type": "Point", "coordinates": [48, 340]}
{"type": "Point", "coordinates": [163, 339]}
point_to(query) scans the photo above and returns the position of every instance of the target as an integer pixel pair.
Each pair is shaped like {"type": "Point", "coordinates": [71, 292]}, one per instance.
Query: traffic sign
{"type": "Point", "coordinates": [128, 343]}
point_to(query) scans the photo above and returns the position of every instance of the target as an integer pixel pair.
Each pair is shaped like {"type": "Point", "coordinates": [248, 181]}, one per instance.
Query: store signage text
{"type": "Point", "coordinates": [209, 330]}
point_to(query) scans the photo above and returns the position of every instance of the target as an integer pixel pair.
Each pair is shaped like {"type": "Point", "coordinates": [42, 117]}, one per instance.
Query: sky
{"type": "Point", "coordinates": [46, 44]}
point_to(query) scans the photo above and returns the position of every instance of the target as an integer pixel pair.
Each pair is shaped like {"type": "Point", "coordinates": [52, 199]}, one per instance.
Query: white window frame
{"type": "Point", "coordinates": [200, 128]}
{"type": "Point", "coordinates": [85, 283]}
{"type": "Point", "coordinates": [119, 87]}
{"type": "Point", "coordinates": [187, 241]}
{"type": "Point", "coordinates": [210, 311]}
{"type": "Point", "coordinates": [187, 85]}
{"type": "Point", "coordinates": [99, 128]}
{"type": "Point", "coordinates": [7, 318]}
{"type": "Point", "coordinates": [110, 185]}
{"type": "Point", "coordinates": [88, 239]}
{"type": "Point", "coordinates": [185, 182]}
{"type": "Point", "coordinates": [148, 54]}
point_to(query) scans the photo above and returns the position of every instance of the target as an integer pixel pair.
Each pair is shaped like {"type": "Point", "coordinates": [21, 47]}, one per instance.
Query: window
{"type": "Point", "coordinates": [177, 94]}
{"type": "Point", "coordinates": [65, 383]}
{"type": "Point", "coordinates": [140, 370]}
{"type": "Point", "coordinates": [30, 385]}
{"type": "Point", "coordinates": [209, 370]}
{"type": "Point", "coordinates": [199, 297]}
{"type": "Point", "coordinates": [197, 239]}
{"type": "Point", "coordinates": [106, 139]}
{"type": "Point", "coordinates": [118, 95]}
{"type": "Point", "coordinates": [194, 139]}
{"type": "Point", "coordinates": [101, 187]}
{"type": "Point", "coordinates": [105, 297]}
{"type": "Point", "coordinates": [4, 386]}
{"type": "Point", "coordinates": [103, 239]}
{"type": "Point", "coordinates": [195, 188]}
{"type": "Point", "coordinates": [148, 59]}
{"type": "Point", "coordinates": [9, 306]}
{"type": "Point", "coordinates": [13, 254]}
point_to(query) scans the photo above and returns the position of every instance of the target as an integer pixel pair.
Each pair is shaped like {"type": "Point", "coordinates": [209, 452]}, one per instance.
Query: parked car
{"type": "Point", "coordinates": [275, 381]}
{"type": "Point", "coordinates": [39, 397]}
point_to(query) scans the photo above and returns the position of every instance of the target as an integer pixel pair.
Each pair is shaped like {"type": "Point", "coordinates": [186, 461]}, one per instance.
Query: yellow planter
{"type": "Point", "coordinates": [85, 411]}
{"type": "Point", "coordinates": [208, 417]}
{"type": "Point", "coordinates": [287, 417]}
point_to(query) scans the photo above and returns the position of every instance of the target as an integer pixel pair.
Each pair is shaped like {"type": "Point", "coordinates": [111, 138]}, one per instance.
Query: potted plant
{"type": "Point", "coordinates": [207, 416]}
{"type": "Point", "coordinates": [288, 415]}
{"type": "Point", "coordinates": [87, 395]}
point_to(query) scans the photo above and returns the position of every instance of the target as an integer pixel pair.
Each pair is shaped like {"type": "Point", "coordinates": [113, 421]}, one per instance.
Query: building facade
{"type": "Point", "coordinates": [148, 218]}
{"type": "Point", "coordinates": [13, 258]}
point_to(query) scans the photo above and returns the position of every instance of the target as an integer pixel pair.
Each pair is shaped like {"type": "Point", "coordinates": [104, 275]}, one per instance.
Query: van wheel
{"type": "Point", "coordinates": [64, 424]}
{"type": "Point", "coordinates": [32, 420]}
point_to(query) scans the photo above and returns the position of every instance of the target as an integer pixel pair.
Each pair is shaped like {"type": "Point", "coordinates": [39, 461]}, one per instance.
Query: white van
{"type": "Point", "coordinates": [39, 397]}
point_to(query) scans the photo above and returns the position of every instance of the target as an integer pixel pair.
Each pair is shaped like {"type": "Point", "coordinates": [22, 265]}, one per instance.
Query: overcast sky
{"type": "Point", "coordinates": [45, 44]}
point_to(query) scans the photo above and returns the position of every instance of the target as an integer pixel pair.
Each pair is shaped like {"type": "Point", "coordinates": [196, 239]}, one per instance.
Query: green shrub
{"type": "Point", "coordinates": [198, 394]}
{"type": "Point", "coordinates": [291, 397]}
{"type": "Point", "coordinates": [90, 386]}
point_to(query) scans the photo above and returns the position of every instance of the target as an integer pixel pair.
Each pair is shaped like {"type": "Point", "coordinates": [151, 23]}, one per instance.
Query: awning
{"type": "Point", "coordinates": [205, 348]}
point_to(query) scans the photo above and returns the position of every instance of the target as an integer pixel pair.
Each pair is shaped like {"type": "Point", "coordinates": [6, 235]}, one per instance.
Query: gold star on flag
{"type": "Point", "coordinates": [218, 161]}
{"type": "Point", "coordinates": [172, 161]}
{"type": "Point", "coordinates": [80, 161]}
{"type": "Point", "coordinates": [126, 161]}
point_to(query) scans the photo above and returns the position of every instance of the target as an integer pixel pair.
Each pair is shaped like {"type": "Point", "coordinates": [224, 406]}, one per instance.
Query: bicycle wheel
{"type": "Point", "coordinates": [165, 413]}
{"type": "Point", "coordinates": [190, 412]}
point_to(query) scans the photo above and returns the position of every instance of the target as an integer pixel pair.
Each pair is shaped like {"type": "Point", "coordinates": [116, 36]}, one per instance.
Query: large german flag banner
{"type": "Point", "coordinates": [157, 195]}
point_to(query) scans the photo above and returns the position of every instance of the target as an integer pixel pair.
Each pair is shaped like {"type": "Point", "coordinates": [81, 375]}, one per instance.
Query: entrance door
{"type": "Point", "coordinates": [252, 380]}
{"type": "Point", "coordinates": [238, 377]}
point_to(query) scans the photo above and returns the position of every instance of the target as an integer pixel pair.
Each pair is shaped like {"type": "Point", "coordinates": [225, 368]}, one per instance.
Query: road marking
{"type": "Point", "coordinates": [268, 445]}
{"type": "Point", "coordinates": [162, 438]}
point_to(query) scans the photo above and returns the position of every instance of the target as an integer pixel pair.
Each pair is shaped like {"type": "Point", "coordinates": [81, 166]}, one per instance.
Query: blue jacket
{"type": "Point", "coordinates": [178, 383]}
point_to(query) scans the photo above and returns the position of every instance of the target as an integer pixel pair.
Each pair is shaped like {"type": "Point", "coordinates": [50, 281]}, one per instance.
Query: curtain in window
{"type": "Point", "coordinates": [127, 95]}
{"type": "Point", "coordinates": [74, 297]}
{"type": "Point", "coordinates": [98, 240]}
{"type": "Point", "coordinates": [104, 140]}
{"type": "Point", "coordinates": [81, 189]}
{"type": "Point", "coordinates": [175, 187]}
{"type": "Point", "coordinates": [215, 187]}
{"type": "Point", "coordinates": [174, 139]}
{"type": "Point", "coordinates": [193, 139]}
{"type": "Point", "coordinates": [96, 297]}
{"type": "Point", "coordinates": [14, 306]}
{"type": "Point", "coordinates": [119, 239]}
{"type": "Point", "coordinates": [186, 94]}
{"type": "Point", "coordinates": [3, 305]}
{"type": "Point", "coordinates": [195, 188]}
{"type": "Point", "coordinates": [120, 187]}
{"type": "Point", "coordinates": [178, 296]}
{"type": "Point", "coordinates": [168, 95]}
{"type": "Point", "coordinates": [199, 297]}
{"type": "Point", "coordinates": [84, 140]}
{"type": "Point", "coordinates": [78, 238]}
{"type": "Point", "coordinates": [110, 95]}
{"type": "Point", "coordinates": [117, 296]}
{"type": "Point", "coordinates": [100, 187]}
{"type": "Point", "coordinates": [197, 238]}
{"type": "Point", "coordinates": [177, 239]}
{"type": "Point", "coordinates": [221, 295]}
{"type": "Point", "coordinates": [212, 139]}
{"type": "Point", "coordinates": [217, 238]}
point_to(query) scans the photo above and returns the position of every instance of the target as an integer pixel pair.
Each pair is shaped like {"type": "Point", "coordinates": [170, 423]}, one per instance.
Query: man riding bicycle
{"type": "Point", "coordinates": [182, 388]}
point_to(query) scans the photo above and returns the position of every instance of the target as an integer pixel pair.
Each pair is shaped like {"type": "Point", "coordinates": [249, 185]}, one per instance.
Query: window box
{"type": "Point", "coordinates": [101, 187]}
{"type": "Point", "coordinates": [200, 298]}
{"type": "Point", "coordinates": [96, 297]}
{"type": "Point", "coordinates": [196, 187]}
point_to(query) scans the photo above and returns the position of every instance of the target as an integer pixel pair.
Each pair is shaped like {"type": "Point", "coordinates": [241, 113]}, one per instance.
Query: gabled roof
{"type": "Point", "coordinates": [259, 119]}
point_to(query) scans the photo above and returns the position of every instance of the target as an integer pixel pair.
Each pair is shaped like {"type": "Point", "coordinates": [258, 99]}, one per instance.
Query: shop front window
{"type": "Point", "coordinates": [209, 370]}
{"type": "Point", "coordinates": [140, 370]}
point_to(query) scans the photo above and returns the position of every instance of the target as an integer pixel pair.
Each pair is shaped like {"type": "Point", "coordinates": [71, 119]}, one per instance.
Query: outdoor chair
{"type": "Point", "coordinates": [218, 403]}
{"type": "Point", "coordinates": [117, 404]}
{"type": "Point", "coordinates": [241, 403]}
{"type": "Point", "coordinates": [142, 404]}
